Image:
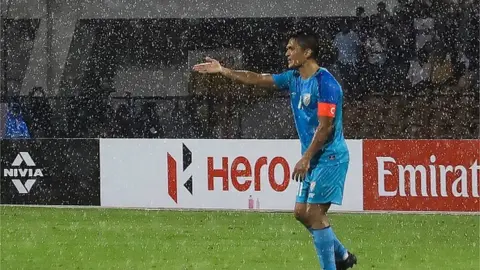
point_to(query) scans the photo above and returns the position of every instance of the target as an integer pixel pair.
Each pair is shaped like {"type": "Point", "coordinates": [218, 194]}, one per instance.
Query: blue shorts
{"type": "Point", "coordinates": [323, 184]}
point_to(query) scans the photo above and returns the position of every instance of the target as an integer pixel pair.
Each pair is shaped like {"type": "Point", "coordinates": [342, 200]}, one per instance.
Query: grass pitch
{"type": "Point", "coordinates": [60, 238]}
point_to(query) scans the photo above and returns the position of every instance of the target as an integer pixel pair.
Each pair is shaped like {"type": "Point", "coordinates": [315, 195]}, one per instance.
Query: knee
{"type": "Point", "coordinates": [300, 215]}
{"type": "Point", "coordinates": [311, 214]}
{"type": "Point", "coordinates": [315, 213]}
{"type": "Point", "coordinates": [316, 216]}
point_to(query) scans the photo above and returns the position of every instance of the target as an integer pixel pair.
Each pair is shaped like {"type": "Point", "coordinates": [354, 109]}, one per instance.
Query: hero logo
{"type": "Point", "coordinates": [467, 178]}
{"type": "Point", "coordinates": [29, 173]}
{"type": "Point", "coordinates": [172, 173]}
{"type": "Point", "coordinates": [241, 167]}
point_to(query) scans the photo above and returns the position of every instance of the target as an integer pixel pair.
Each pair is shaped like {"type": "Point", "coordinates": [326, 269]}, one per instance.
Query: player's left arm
{"type": "Point", "coordinates": [328, 96]}
{"type": "Point", "coordinates": [326, 114]}
{"type": "Point", "coordinates": [323, 131]}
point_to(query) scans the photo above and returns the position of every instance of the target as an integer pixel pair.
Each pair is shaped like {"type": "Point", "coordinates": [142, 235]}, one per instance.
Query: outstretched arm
{"type": "Point", "coordinates": [242, 76]}
{"type": "Point", "coordinates": [248, 77]}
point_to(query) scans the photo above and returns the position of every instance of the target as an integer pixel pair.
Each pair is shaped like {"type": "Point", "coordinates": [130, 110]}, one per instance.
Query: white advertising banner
{"type": "Point", "coordinates": [211, 174]}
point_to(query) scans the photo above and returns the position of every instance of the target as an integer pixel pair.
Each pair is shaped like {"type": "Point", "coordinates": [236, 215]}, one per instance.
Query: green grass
{"type": "Point", "coordinates": [46, 238]}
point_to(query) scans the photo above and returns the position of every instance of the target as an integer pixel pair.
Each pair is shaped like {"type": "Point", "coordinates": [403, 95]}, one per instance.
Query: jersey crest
{"type": "Point", "coordinates": [306, 98]}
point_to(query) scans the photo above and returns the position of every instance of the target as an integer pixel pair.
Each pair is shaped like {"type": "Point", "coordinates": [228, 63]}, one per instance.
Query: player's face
{"type": "Point", "coordinates": [296, 55]}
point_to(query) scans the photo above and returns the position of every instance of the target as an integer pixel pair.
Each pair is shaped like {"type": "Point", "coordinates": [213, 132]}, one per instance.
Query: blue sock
{"type": "Point", "coordinates": [340, 250]}
{"type": "Point", "coordinates": [324, 240]}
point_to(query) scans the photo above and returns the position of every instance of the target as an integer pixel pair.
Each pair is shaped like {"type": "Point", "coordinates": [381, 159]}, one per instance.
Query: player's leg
{"type": "Point", "coordinates": [326, 188]}
{"type": "Point", "coordinates": [323, 237]}
{"type": "Point", "coordinates": [300, 211]}
{"type": "Point", "coordinates": [338, 174]}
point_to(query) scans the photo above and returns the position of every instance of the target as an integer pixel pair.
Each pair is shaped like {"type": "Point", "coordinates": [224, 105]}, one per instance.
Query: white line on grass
{"type": "Point", "coordinates": [243, 210]}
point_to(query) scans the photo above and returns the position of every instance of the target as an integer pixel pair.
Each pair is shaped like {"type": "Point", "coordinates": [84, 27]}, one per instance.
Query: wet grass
{"type": "Point", "coordinates": [46, 238]}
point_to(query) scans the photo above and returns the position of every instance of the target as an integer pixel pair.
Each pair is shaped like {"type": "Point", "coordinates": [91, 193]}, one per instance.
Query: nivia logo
{"type": "Point", "coordinates": [29, 173]}
{"type": "Point", "coordinates": [172, 173]}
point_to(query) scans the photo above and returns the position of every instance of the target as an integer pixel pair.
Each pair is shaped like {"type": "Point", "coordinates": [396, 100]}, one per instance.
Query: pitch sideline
{"type": "Point", "coordinates": [242, 210]}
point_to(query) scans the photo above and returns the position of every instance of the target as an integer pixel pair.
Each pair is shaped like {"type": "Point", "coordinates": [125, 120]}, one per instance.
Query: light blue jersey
{"type": "Point", "coordinates": [320, 94]}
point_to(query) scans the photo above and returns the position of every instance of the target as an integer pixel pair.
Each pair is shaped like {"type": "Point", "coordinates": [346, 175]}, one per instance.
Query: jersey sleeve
{"type": "Point", "coordinates": [328, 95]}
{"type": "Point", "coordinates": [282, 80]}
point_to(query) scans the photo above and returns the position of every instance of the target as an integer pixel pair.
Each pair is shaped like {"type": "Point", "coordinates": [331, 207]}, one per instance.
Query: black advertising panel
{"type": "Point", "coordinates": [50, 172]}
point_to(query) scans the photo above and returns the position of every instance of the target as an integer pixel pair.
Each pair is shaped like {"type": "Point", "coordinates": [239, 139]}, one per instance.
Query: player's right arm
{"type": "Point", "coordinates": [242, 76]}
{"type": "Point", "coordinates": [249, 77]}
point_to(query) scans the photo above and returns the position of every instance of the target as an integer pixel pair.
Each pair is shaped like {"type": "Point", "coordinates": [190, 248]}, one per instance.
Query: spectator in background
{"type": "Point", "coordinates": [383, 13]}
{"type": "Point", "coordinates": [361, 28]}
{"type": "Point", "coordinates": [360, 12]}
{"type": "Point", "coordinates": [361, 24]}
{"type": "Point", "coordinates": [401, 9]}
{"type": "Point", "coordinates": [468, 32]}
{"type": "Point", "coordinates": [376, 50]}
{"type": "Point", "coordinates": [442, 68]}
{"type": "Point", "coordinates": [468, 43]}
{"type": "Point", "coordinates": [446, 18]}
{"type": "Point", "coordinates": [382, 18]}
{"type": "Point", "coordinates": [399, 53]}
{"type": "Point", "coordinates": [347, 44]}
{"type": "Point", "coordinates": [15, 126]}
{"type": "Point", "coordinates": [420, 70]}
{"type": "Point", "coordinates": [403, 27]}
{"type": "Point", "coordinates": [424, 26]}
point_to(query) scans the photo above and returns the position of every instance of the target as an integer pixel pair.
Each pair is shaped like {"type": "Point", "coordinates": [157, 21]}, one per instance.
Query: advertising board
{"type": "Point", "coordinates": [421, 175]}
{"type": "Point", "coordinates": [210, 174]}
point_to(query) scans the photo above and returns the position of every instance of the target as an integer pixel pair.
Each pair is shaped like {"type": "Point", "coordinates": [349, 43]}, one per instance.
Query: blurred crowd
{"type": "Point", "coordinates": [421, 45]}
{"type": "Point", "coordinates": [409, 73]}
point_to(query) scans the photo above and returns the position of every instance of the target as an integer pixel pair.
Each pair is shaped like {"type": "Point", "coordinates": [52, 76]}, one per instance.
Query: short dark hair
{"type": "Point", "coordinates": [307, 41]}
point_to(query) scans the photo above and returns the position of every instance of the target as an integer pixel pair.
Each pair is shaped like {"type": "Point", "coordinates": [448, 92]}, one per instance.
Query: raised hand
{"type": "Point", "coordinates": [210, 66]}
